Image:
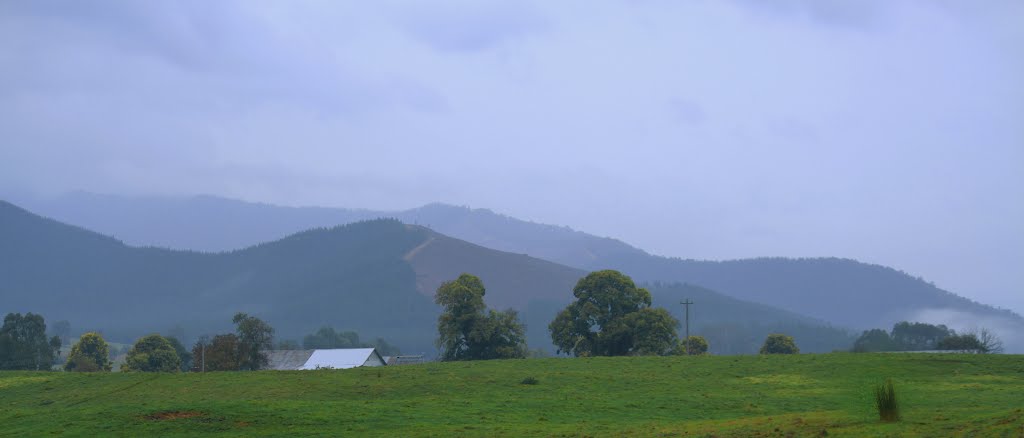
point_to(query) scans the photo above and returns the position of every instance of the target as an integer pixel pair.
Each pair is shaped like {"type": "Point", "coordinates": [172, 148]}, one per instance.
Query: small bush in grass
{"type": "Point", "coordinates": [529, 381]}
{"type": "Point", "coordinates": [885, 401]}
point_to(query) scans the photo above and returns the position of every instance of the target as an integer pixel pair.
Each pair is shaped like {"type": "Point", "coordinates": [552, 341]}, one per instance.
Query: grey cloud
{"type": "Point", "coordinates": [470, 26]}
{"type": "Point", "coordinates": [693, 129]}
{"type": "Point", "coordinates": [845, 13]}
{"type": "Point", "coordinates": [686, 111]}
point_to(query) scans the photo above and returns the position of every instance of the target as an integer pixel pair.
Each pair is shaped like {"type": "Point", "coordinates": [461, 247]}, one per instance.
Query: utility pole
{"type": "Point", "coordinates": [202, 342]}
{"type": "Point", "coordinates": [686, 304]}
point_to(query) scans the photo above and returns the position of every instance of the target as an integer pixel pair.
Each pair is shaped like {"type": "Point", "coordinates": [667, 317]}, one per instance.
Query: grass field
{"type": "Point", "coordinates": [803, 395]}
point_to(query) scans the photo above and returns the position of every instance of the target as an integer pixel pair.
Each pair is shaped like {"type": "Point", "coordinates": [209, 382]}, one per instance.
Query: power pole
{"type": "Point", "coordinates": [203, 340]}
{"type": "Point", "coordinates": [686, 304]}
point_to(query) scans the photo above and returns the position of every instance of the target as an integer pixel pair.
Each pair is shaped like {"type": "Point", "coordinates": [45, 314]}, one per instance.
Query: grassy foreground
{"type": "Point", "coordinates": [804, 395]}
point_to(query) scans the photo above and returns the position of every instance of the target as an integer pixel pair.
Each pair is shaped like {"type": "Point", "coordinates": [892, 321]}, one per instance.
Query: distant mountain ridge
{"type": "Point", "coordinates": [842, 291]}
{"type": "Point", "coordinates": [376, 277]}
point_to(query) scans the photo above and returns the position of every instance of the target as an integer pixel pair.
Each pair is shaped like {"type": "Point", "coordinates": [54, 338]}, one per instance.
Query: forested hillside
{"type": "Point", "coordinates": [842, 291]}
{"type": "Point", "coordinates": [375, 277]}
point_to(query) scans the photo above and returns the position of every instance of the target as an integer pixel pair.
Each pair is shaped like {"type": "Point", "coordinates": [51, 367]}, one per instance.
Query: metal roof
{"type": "Point", "coordinates": [339, 358]}
{"type": "Point", "coordinates": [287, 359]}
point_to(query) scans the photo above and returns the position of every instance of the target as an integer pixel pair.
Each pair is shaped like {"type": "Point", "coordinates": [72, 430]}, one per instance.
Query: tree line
{"type": "Point", "coordinates": [919, 336]}
{"type": "Point", "coordinates": [24, 345]}
{"type": "Point", "coordinates": [610, 316]}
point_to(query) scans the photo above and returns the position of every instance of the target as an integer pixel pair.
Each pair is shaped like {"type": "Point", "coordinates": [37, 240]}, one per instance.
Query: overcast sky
{"type": "Point", "coordinates": [887, 131]}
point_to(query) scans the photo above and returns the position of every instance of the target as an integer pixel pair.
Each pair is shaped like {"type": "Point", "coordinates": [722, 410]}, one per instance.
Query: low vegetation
{"type": "Point", "coordinates": [886, 402]}
{"type": "Point", "coordinates": [723, 396]}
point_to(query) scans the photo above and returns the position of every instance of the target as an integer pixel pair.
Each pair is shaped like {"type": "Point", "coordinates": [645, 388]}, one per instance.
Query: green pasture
{"type": "Point", "coordinates": [722, 396]}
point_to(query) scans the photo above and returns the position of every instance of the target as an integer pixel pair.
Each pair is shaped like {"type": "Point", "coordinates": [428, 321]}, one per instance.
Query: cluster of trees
{"type": "Point", "coordinates": [919, 336]}
{"type": "Point", "coordinates": [24, 344]}
{"type": "Point", "coordinates": [469, 331]}
{"type": "Point", "coordinates": [243, 350]}
{"type": "Point", "coordinates": [611, 316]}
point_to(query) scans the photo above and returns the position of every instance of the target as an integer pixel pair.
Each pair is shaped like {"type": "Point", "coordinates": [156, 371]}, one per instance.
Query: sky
{"type": "Point", "coordinates": [891, 132]}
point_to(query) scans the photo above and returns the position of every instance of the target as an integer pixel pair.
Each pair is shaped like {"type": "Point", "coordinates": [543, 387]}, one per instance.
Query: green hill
{"type": "Point", "coordinates": [723, 396]}
{"type": "Point", "coordinates": [351, 276]}
{"type": "Point", "coordinates": [375, 277]}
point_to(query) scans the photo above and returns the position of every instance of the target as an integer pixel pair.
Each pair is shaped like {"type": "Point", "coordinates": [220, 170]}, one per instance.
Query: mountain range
{"type": "Point", "coordinates": [375, 276]}
{"type": "Point", "coordinates": [843, 292]}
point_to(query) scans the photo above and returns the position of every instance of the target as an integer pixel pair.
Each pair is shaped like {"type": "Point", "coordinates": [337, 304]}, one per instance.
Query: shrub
{"type": "Point", "coordinates": [151, 354]}
{"type": "Point", "coordinates": [885, 401]}
{"type": "Point", "coordinates": [697, 344]}
{"type": "Point", "coordinates": [90, 353]}
{"type": "Point", "coordinates": [530, 381]}
{"type": "Point", "coordinates": [83, 364]}
{"type": "Point", "coordinates": [779, 344]}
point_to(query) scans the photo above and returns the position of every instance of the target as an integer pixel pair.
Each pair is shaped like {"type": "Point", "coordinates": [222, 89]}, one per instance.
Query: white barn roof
{"type": "Point", "coordinates": [342, 358]}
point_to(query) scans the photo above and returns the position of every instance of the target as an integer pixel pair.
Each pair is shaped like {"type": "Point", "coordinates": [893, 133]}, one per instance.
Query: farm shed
{"type": "Point", "coordinates": [337, 358]}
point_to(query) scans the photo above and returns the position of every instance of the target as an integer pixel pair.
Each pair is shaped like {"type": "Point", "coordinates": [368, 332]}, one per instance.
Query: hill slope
{"type": "Point", "coordinates": [842, 291]}
{"type": "Point", "coordinates": [376, 277]}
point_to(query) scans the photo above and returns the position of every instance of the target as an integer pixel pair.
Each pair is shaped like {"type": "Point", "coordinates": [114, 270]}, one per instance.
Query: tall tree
{"type": "Point", "coordinates": [218, 354]}
{"type": "Point", "coordinates": [467, 330]}
{"type": "Point", "coordinates": [612, 317]}
{"type": "Point", "coordinates": [990, 343]}
{"type": "Point", "coordinates": [90, 353]}
{"type": "Point", "coordinates": [23, 343]}
{"type": "Point", "coordinates": [152, 353]}
{"type": "Point", "coordinates": [255, 337]}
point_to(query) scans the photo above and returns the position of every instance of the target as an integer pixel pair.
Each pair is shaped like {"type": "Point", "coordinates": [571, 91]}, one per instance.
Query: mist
{"type": "Point", "coordinates": [887, 132]}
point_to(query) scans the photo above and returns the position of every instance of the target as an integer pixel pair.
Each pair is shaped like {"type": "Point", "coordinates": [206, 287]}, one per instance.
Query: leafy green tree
{"type": "Point", "coordinates": [612, 317]}
{"type": "Point", "coordinates": [468, 331]}
{"type": "Point", "coordinates": [152, 353]}
{"type": "Point", "coordinates": [90, 353]}
{"type": "Point", "coordinates": [779, 344]}
{"type": "Point", "coordinates": [874, 340]}
{"type": "Point", "coordinates": [218, 354]}
{"type": "Point", "coordinates": [24, 345]}
{"type": "Point", "coordinates": [254, 337]}
{"type": "Point", "coordinates": [694, 345]}
{"type": "Point", "coordinates": [983, 341]}
{"type": "Point", "coordinates": [184, 356]}
{"type": "Point", "coordinates": [911, 336]}
{"type": "Point", "coordinates": [964, 342]}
